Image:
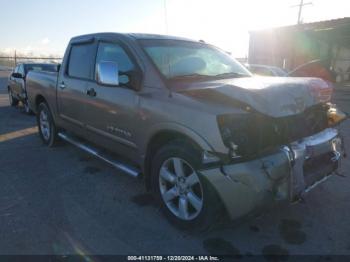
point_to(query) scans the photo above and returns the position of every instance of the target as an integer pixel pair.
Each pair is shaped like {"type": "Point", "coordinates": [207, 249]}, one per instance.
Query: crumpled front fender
{"type": "Point", "coordinates": [247, 186]}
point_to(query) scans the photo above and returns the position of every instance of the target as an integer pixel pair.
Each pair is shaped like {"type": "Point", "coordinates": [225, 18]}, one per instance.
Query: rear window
{"type": "Point", "coordinates": [41, 67]}
{"type": "Point", "coordinates": [81, 61]}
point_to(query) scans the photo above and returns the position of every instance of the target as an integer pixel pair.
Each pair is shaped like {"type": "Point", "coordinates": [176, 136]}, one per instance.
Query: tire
{"type": "Point", "coordinates": [187, 200]}
{"type": "Point", "coordinates": [13, 101]}
{"type": "Point", "coordinates": [26, 108]}
{"type": "Point", "coordinates": [46, 125]}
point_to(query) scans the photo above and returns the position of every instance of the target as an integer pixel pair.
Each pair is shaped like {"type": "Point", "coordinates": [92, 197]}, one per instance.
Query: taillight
{"type": "Point", "coordinates": [321, 90]}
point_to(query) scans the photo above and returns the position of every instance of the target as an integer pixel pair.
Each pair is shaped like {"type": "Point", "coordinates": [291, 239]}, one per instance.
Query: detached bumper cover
{"type": "Point", "coordinates": [283, 176]}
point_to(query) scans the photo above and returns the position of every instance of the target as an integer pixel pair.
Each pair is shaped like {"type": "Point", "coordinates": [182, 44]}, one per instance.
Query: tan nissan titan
{"type": "Point", "coordinates": [205, 135]}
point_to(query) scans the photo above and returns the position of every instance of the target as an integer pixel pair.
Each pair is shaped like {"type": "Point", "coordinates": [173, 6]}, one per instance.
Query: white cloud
{"type": "Point", "coordinates": [45, 41]}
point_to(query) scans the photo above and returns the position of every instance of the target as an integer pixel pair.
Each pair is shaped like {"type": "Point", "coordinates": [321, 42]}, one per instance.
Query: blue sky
{"type": "Point", "coordinates": [45, 26]}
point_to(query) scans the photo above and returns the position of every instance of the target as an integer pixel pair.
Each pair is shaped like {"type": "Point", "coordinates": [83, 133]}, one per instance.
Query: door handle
{"type": "Point", "coordinates": [62, 85]}
{"type": "Point", "coordinates": [91, 92]}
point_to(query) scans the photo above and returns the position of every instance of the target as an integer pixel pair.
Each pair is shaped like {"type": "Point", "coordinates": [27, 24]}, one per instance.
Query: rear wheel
{"type": "Point", "coordinates": [13, 101]}
{"type": "Point", "coordinates": [186, 198]}
{"type": "Point", "coordinates": [46, 125]}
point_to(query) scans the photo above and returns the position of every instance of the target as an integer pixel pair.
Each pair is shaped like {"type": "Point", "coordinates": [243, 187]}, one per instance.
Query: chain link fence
{"type": "Point", "coordinates": [9, 62]}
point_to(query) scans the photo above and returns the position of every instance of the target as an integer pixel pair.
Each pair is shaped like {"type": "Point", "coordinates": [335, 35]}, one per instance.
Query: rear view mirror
{"type": "Point", "coordinates": [17, 75]}
{"type": "Point", "coordinates": [107, 73]}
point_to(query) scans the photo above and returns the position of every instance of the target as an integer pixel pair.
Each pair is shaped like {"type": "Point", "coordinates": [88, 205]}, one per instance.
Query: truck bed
{"type": "Point", "coordinates": [43, 83]}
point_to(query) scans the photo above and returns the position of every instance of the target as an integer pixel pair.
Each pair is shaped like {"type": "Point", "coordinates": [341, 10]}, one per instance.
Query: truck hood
{"type": "Point", "coordinates": [272, 96]}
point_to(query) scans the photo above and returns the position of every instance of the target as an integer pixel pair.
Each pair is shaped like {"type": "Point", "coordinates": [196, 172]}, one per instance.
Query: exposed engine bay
{"type": "Point", "coordinates": [252, 134]}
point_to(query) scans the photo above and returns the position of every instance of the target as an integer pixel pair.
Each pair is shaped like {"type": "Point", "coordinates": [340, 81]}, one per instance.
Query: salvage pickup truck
{"type": "Point", "coordinates": [202, 131]}
{"type": "Point", "coordinates": [16, 86]}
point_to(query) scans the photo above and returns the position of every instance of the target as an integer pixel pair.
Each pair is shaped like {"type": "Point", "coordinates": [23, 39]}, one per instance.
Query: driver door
{"type": "Point", "coordinates": [111, 111]}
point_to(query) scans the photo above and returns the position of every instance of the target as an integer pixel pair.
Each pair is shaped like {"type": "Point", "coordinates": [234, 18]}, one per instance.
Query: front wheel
{"type": "Point", "coordinates": [46, 125]}
{"type": "Point", "coordinates": [186, 198]}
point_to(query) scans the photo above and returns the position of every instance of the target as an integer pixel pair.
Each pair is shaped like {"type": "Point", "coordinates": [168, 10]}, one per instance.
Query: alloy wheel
{"type": "Point", "coordinates": [44, 125]}
{"type": "Point", "coordinates": [181, 188]}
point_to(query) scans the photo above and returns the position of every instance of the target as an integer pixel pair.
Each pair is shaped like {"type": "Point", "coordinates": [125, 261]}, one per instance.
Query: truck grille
{"type": "Point", "coordinates": [318, 167]}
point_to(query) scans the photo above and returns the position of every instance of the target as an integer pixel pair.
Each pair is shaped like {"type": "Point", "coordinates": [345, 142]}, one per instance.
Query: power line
{"type": "Point", "coordinates": [301, 5]}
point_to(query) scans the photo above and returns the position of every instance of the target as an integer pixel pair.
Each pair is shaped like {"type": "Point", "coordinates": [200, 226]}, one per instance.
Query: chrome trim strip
{"type": "Point", "coordinates": [130, 170]}
{"type": "Point", "coordinates": [299, 151]}
{"type": "Point", "coordinates": [319, 138]}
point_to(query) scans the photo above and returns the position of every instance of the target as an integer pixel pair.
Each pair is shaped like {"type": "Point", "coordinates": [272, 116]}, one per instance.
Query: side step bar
{"type": "Point", "coordinates": [128, 169]}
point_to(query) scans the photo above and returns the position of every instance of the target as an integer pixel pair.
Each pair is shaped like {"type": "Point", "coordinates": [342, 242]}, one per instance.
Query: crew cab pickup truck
{"type": "Point", "coordinates": [16, 86]}
{"type": "Point", "coordinates": [205, 134]}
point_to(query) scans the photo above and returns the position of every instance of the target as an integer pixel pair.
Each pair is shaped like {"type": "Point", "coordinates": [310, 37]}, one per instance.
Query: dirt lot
{"type": "Point", "coordinates": [62, 201]}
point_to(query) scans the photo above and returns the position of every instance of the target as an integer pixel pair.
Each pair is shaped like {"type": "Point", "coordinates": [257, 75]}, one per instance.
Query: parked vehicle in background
{"type": "Point", "coordinates": [266, 70]}
{"type": "Point", "coordinates": [320, 69]}
{"type": "Point", "coordinates": [204, 133]}
{"type": "Point", "coordinates": [315, 68]}
{"type": "Point", "coordinates": [16, 87]}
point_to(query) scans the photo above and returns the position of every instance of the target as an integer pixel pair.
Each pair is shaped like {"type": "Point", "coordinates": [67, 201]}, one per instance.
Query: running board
{"type": "Point", "coordinates": [130, 170]}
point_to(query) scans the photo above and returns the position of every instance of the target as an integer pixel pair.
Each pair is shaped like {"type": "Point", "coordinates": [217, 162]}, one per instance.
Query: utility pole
{"type": "Point", "coordinates": [301, 5]}
{"type": "Point", "coordinates": [166, 17]}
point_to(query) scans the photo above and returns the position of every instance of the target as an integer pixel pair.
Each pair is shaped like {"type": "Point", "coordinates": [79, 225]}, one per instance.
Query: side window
{"type": "Point", "coordinates": [81, 61]}
{"type": "Point", "coordinates": [115, 53]}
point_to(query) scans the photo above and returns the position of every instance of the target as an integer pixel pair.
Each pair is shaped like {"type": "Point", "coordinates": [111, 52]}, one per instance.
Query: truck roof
{"type": "Point", "coordinates": [138, 36]}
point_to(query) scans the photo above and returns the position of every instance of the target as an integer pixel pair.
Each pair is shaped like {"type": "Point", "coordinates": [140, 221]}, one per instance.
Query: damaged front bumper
{"type": "Point", "coordinates": [283, 176]}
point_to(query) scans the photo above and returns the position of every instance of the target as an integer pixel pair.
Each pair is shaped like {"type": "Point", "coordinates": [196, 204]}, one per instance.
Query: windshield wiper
{"type": "Point", "coordinates": [231, 74]}
{"type": "Point", "coordinates": [196, 76]}
{"type": "Point", "coordinates": [188, 76]}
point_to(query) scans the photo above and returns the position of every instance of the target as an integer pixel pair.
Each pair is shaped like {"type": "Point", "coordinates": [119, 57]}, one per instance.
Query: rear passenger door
{"type": "Point", "coordinates": [73, 83]}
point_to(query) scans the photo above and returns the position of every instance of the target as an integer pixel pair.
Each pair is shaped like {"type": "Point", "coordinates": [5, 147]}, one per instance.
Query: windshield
{"type": "Point", "coordinates": [176, 59]}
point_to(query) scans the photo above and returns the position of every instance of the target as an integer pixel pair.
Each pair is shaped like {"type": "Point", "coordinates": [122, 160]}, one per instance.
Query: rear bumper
{"type": "Point", "coordinates": [283, 176]}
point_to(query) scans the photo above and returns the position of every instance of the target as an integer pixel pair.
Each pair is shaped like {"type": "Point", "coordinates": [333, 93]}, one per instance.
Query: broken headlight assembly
{"type": "Point", "coordinates": [252, 134]}
{"type": "Point", "coordinates": [237, 134]}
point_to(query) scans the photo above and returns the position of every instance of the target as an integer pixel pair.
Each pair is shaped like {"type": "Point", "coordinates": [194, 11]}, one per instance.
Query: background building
{"type": "Point", "coordinates": [291, 46]}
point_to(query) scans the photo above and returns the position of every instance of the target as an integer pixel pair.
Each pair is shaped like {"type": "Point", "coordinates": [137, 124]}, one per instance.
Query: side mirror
{"type": "Point", "coordinates": [133, 77]}
{"type": "Point", "coordinates": [107, 73]}
{"type": "Point", "coordinates": [17, 75]}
